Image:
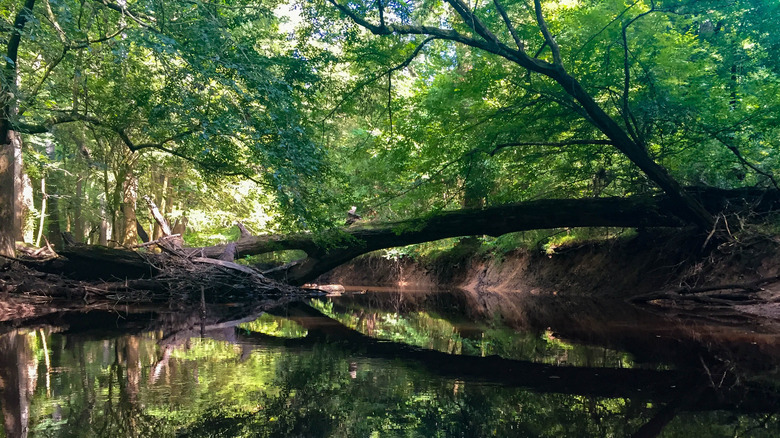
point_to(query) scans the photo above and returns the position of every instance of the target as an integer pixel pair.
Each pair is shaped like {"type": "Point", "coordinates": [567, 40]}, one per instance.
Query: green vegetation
{"type": "Point", "coordinates": [283, 115]}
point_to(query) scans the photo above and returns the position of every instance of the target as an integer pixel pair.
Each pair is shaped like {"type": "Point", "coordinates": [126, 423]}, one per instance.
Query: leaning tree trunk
{"type": "Point", "coordinates": [683, 203]}
{"type": "Point", "coordinates": [685, 206]}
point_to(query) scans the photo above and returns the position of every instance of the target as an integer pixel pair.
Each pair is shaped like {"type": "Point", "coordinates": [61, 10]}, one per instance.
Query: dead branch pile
{"type": "Point", "coordinates": [184, 273]}
{"type": "Point", "coordinates": [162, 272]}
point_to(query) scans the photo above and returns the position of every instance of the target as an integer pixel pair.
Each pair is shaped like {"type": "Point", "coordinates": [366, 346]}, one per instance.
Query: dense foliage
{"type": "Point", "coordinates": [284, 115]}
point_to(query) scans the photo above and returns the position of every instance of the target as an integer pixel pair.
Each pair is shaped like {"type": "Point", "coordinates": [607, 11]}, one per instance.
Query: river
{"type": "Point", "coordinates": [389, 363]}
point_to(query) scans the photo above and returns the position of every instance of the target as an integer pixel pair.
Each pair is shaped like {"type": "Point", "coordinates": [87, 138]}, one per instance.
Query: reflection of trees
{"type": "Point", "coordinates": [100, 393]}
{"type": "Point", "coordinates": [316, 397]}
{"type": "Point", "coordinates": [170, 383]}
{"type": "Point", "coordinates": [18, 373]}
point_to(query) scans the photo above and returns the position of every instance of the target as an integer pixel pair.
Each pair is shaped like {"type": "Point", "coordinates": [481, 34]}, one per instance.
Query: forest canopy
{"type": "Point", "coordinates": [286, 114]}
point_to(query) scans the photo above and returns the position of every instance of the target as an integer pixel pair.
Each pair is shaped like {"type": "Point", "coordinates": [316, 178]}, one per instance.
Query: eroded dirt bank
{"type": "Point", "coordinates": [667, 268]}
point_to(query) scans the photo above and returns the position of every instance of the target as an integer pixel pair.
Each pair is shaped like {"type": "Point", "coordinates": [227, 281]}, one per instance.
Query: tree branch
{"type": "Point", "coordinates": [556, 51]}
{"type": "Point", "coordinates": [737, 153]}
{"type": "Point", "coordinates": [21, 20]}
{"type": "Point", "coordinates": [491, 46]}
{"type": "Point", "coordinates": [126, 12]}
{"type": "Point", "coordinates": [509, 25]}
{"type": "Point", "coordinates": [625, 111]}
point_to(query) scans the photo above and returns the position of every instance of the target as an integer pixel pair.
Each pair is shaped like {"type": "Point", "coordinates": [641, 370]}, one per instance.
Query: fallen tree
{"type": "Point", "coordinates": [328, 250]}
{"type": "Point", "coordinates": [324, 251]}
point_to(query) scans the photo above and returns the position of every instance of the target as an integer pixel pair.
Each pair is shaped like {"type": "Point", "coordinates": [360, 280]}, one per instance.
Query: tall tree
{"type": "Point", "coordinates": [210, 83]}
{"type": "Point", "coordinates": [603, 62]}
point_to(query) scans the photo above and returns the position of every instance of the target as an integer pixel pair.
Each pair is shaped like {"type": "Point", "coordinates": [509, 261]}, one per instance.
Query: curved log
{"type": "Point", "coordinates": [325, 252]}
{"type": "Point", "coordinates": [332, 248]}
{"type": "Point", "coordinates": [329, 250]}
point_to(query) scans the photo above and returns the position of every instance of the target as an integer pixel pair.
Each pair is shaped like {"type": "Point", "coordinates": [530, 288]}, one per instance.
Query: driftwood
{"type": "Point", "coordinates": [166, 229]}
{"type": "Point", "coordinates": [158, 241]}
{"type": "Point", "coordinates": [230, 252]}
{"type": "Point", "coordinates": [229, 265]}
{"type": "Point", "coordinates": [713, 294]}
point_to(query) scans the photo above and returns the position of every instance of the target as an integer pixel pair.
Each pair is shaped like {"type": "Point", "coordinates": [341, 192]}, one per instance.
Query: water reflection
{"type": "Point", "coordinates": [373, 368]}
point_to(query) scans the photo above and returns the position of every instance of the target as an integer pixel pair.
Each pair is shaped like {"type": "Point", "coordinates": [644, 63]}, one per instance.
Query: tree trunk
{"type": "Point", "coordinates": [684, 205]}
{"type": "Point", "coordinates": [103, 233]}
{"type": "Point", "coordinates": [28, 197]}
{"type": "Point", "coordinates": [8, 85]}
{"type": "Point", "coordinates": [54, 230]}
{"type": "Point", "coordinates": [79, 226]}
{"type": "Point", "coordinates": [129, 198]}
{"type": "Point", "coordinates": [339, 246]}
{"type": "Point", "coordinates": [160, 221]}
{"type": "Point", "coordinates": [163, 201]}
{"type": "Point", "coordinates": [325, 252]}
{"type": "Point", "coordinates": [17, 382]}
{"type": "Point", "coordinates": [41, 223]}
{"type": "Point", "coordinates": [6, 197]}
{"type": "Point", "coordinates": [19, 207]}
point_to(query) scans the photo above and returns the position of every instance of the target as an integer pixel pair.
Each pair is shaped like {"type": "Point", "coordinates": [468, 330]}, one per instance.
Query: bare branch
{"type": "Point", "coordinates": [556, 51]}
{"type": "Point", "coordinates": [737, 153]}
{"type": "Point", "coordinates": [509, 25]}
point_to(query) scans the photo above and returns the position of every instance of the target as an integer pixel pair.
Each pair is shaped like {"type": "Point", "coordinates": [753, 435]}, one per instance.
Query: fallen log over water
{"type": "Point", "coordinates": [328, 250]}
{"type": "Point", "coordinates": [332, 248]}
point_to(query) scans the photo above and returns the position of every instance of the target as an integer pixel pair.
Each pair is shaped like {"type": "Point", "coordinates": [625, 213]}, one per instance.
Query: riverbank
{"type": "Point", "coordinates": [662, 268]}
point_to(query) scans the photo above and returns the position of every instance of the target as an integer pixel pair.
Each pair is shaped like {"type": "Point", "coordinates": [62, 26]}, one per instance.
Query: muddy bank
{"type": "Point", "coordinates": [648, 262]}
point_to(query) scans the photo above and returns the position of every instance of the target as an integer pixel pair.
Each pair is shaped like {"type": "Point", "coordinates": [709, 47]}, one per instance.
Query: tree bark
{"type": "Point", "coordinates": [53, 228]}
{"type": "Point", "coordinates": [103, 232]}
{"type": "Point", "coordinates": [162, 199]}
{"type": "Point", "coordinates": [7, 112]}
{"type": "Point", "coordinates": [325, 252]}
{"type": "Point", "coordinates": [16, 141]}
{"type": "Point", "coordinates": [41, 223]}
{"type": "Point", "coordinates": [160, 221]}
{"type": "Point", "coordinates": [129, 197]}
{"type": "Point", "coordinates": [6, 198]}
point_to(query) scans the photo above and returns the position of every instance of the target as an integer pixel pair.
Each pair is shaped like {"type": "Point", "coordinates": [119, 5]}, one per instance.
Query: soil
{"type": "Point", "coordinates": [668, 270]}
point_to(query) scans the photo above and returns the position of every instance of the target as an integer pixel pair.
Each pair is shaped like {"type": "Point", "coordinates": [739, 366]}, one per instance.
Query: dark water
{"type": "Point", "coordinates": [390, 364]}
